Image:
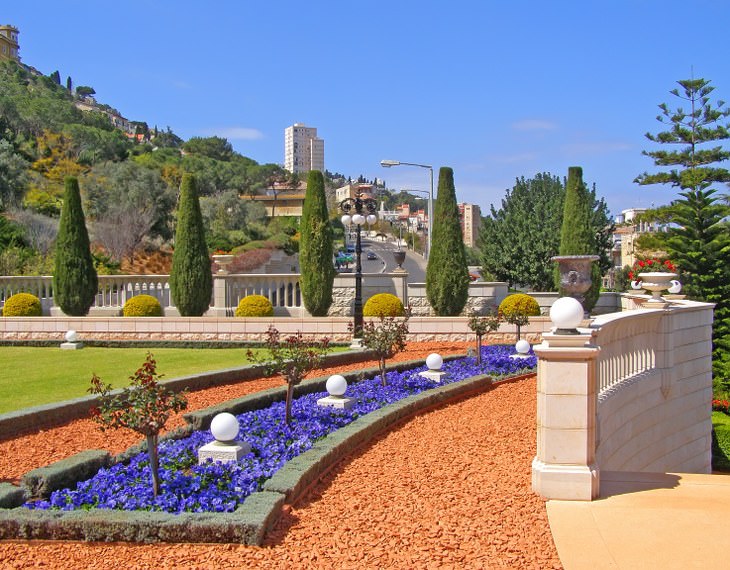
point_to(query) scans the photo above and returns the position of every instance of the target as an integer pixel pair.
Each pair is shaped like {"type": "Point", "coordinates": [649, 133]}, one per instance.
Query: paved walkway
{"type": "Point", "coordinates": [646, 521]}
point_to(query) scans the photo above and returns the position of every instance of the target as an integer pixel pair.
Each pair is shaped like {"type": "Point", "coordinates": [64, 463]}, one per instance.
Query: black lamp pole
{"type": "Point", "coordinates": [363, 207]}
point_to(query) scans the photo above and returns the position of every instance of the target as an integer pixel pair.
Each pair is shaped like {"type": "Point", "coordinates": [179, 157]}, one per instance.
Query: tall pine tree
{"type": "Point", "coordinates": [191, 279]}
{"type": "Point", "coordinates": [315, 248]}
{"type": "Point", "coordinates": [697, 240]}
{"type": "Point", "coordinates": [447, 275]}
{"type": "Point", "coordinates": [75, 282]}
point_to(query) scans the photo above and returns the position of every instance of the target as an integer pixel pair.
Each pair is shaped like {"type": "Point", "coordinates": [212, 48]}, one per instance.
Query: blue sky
{"type": "Point", "coordinates": [494, 89]}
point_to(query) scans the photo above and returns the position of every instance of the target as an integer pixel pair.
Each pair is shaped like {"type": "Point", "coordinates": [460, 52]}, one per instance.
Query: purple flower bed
{"type": "Point", "coordinates": [186, 486]}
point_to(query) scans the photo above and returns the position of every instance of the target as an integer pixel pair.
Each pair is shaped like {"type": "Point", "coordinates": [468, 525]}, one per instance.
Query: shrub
{"type": "Point", "coordinates": [142, 306]}
{"type": "Point", "coordinates": [517, 309]}
{"type": "Point", "coordinates": [255, 306]}
{"type": "Point", "coordinates": [519, 303]}
{"type": "Point", "coordinates": [383, 305]}
{"type": "Point", "coordinates": [22, 305]}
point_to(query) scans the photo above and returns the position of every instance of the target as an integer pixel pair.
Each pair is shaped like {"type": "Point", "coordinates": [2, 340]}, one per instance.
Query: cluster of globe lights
{"type": "Point", "coordinates": [358, 219]}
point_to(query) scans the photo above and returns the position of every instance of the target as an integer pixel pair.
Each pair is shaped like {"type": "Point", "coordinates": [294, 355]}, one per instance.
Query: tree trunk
{"type": "Point", "coordinates": [479, 349]}
{"type": "Point", "coordinates": [381, 363]}
{"type": "Point", "coordinates": [154, 463]}
{"type": "Point", "coordinates": [289, 397]}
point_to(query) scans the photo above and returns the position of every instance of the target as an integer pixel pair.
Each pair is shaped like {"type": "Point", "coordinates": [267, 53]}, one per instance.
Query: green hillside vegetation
{"type": "Point", "coordinates": [44, 138]}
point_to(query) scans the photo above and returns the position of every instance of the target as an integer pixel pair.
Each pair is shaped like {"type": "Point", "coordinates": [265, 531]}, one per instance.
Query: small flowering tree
{"type": "Point", "coordinates": [145, 406]}
{"type": "Point", "coordinates": [482, 325]}
{"type": "Point", "coordinates": [386, 337]}
{"type": "Point", "coordinates": [293, 358]}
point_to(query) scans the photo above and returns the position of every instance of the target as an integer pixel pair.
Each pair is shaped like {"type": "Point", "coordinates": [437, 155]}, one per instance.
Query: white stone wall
{"type": "Point", "coordinates": [660, 421]}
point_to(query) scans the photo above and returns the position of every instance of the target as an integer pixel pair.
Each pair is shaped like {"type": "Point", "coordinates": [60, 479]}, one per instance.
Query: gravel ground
{"type": "Point", "coordinates": [448, 489]}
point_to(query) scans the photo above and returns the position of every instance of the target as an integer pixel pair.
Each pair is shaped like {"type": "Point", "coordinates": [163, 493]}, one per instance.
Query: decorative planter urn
{"type": "Point", "coordinates": [400, 257]}
{"type": "Point", "coordinates": [575, 274]}
{"type": "Point", "coordinates": [223, 260]}
{"type": "Point", "coordinates": [655, 282]}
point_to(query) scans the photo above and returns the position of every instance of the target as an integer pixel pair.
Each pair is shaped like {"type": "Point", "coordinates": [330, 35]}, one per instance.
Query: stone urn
{"type": "Point", "coordinates": [223, 260]}
{"type": "Point", "coordinates": [655, 282]}
{"type": "Point", "coordinates": [400, 257]}
{"type": "Point", "coordinates": [575, 274]}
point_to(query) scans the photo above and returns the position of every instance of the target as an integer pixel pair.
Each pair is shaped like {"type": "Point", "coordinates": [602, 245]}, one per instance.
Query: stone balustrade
{"type": "Point", "coordinates": [630, 393]}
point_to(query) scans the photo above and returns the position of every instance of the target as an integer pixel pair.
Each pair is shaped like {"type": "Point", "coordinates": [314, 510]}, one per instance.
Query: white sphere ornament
{"type": "Point", "coordinates": [224, 427]}
{"type": "Point", "coordinates": [71, 336]}
{"type": "Point", "coordinates": [566, 313]}
{"type": "Point", "coordinates": [346, 219]}
{"type": "Point", "coordinates": [336, 385]}
{"type": "Point", "coordinates": [372, 218]}
{"type": "Point", "coordinates": [675, 288]}
{"type": "Point", "coordinates": [358, 219]}
{"type": "Point", "coordinates": [522, 346]}
{"type": "Point", "coordinates": [434, 361]}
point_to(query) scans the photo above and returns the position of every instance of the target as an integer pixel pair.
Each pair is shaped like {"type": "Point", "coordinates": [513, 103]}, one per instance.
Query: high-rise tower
{"type": "Point", "coordinates": [303, 150]}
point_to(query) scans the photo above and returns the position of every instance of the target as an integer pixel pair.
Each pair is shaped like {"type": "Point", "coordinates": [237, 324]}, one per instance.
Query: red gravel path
{"type": "Point", "coordinates": [448, 489]}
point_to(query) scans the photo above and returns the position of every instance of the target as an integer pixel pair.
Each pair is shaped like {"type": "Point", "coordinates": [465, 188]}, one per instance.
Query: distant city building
{"type": "Point", "coordinates": [470, 216]}
{"type": "Point", "coordinates": [9, 43]}
{"type": "Point", "coordinates": [281, 199]}
{"type": "Point", "coordinates": [352, 189]}
{"type": "Point", "coordinates": [303, 150]}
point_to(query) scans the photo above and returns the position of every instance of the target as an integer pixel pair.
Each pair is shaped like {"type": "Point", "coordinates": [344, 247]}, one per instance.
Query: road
{"type": "Point", "coordinates": [414, 264]}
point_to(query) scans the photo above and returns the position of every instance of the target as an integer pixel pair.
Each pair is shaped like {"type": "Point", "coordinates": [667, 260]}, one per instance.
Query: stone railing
{"type": "Point", "coordinates": [631, 393]}
{"type": "Point", "coordinates": [282, 289]}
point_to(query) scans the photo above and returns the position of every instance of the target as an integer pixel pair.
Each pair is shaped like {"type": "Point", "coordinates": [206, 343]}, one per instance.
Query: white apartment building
{"type": "Point", "coordinates": [303, 150]}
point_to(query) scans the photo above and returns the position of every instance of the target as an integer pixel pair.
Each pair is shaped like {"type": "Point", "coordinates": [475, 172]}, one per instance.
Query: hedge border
{"type": "Point", "coordinates": [46, 416]}
{"type": "Point", "coordinates": [250, 522]}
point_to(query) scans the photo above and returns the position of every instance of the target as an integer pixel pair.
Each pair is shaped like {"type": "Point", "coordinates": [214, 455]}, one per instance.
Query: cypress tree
{"type": "Point", "coordinates": [315, 248]}
{"type": "Point", "coordinates": [577, 232]}
{"type": "Point", "coordinates": [75, 283]}
{"type": "Point", "coordinates": [191, 279]}
{"type": "Point", "coordinates": [447, 275]}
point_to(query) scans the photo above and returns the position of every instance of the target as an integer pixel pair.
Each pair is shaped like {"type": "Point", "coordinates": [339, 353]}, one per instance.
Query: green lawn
{"type": "Point", "coordinates": [31, 376]}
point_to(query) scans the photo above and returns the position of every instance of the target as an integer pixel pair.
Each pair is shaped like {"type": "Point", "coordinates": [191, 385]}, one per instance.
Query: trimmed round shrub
{"type": "Point", "coordinates": [519, 304]}
{"type": "Point", "coordinates": [383, 305]}
{"type": "Point", "coordinates": [22, 305]}
{"type": "Point", "coordinates": [142, 306]}
{"type": "Point", "coordinates": [255, 306]}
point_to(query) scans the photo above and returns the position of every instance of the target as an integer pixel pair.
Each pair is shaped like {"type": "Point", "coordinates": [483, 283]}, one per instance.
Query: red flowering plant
{"type": "Point", "coordinates": [651, 266]}
{"type": "Point", "coordinates": [721, 406]}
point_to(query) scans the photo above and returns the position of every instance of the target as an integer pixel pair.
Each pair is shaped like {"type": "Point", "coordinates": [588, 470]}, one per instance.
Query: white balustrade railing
{"type": "Point", "coordinates": [629, 346]}
{"type": "Point", "coordinates": [282, 289]}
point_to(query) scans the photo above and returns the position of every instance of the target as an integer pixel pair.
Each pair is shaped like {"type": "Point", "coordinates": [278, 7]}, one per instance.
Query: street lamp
{"type": "Point", "coordinates": [358, 210]}
{"type": "Point", "coordinates": [389, 164]}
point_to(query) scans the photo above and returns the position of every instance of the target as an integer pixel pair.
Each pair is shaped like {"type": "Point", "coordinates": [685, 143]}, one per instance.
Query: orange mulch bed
{"type": "Point", "coordinates": [448, 489]}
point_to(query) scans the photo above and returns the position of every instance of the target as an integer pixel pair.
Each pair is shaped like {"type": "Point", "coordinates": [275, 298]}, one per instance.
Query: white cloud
{"type": "Point", "coordinates": [534, 125]}
{"type": "Point", "coordinates": [236, 133]}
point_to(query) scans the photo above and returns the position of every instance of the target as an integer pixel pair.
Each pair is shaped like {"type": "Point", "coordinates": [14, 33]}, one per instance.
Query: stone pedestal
{"type": "Point", "coordinates": [336, 402]}
{"type": "Point", "coordinates": [72, 345]}
{"type": "Point", "coordinates": [433, 375]}
{"type": "Point", "coordinates": [565, 466]}
{"type": "Point", "coordinates": [225, 452]}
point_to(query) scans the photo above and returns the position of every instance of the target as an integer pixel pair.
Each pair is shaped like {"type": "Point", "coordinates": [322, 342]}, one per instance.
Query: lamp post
{"type": "Point", "coordinates": [358, 210]}
{"type": "Point", "coordinates": [391, 163]}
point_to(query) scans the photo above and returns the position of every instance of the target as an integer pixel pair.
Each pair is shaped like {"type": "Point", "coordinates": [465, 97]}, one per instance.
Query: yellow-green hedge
{"type": "Point", "coordinates": [142, 306]}
{"type": "Point", "coordinates": [255, 306]}
{"type": "Point", "coordinates": [383, 305]}
{"type": "Point", "coordinates": [22, 305]}
{"type": "Point", "coordinates": [519, 303]}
